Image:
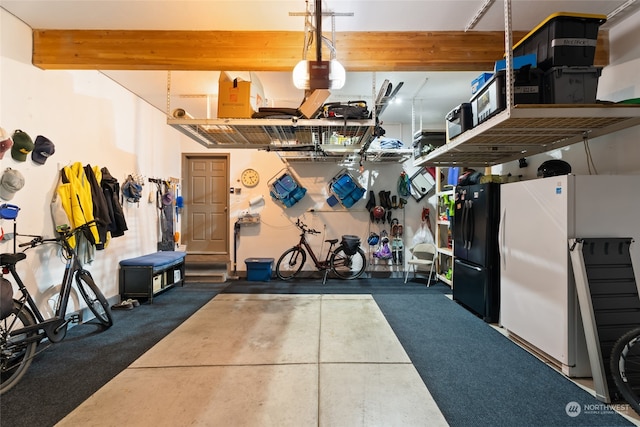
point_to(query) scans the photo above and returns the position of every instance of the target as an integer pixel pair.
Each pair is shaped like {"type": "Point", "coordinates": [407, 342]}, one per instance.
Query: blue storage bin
{"type": "Point", "coordinates": [479, 81]}
{"type": "Point", "coordinates": [518, 62]}
{"type": "Point", "coordinates": [258, 269]}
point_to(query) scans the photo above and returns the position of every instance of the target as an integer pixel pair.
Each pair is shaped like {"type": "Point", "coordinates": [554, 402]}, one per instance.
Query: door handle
{"type": "Point", "coordinates": [472, 267]}
{"type": "Point", "coordinates": [463, 224]}
{"type": "Point", "coordinates": [501, 243]}
{"type": "Point", "coordinates": [471, 225]}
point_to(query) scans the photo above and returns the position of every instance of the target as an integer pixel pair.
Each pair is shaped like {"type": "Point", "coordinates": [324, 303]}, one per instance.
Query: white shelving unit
{"type": "Point", "coordinates": [444, 252]}
{"type": "Point", "coordinates": [526, 130]}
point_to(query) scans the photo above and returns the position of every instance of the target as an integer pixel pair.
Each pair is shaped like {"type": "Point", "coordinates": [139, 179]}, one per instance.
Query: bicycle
{"type": "Point", "coordinates": [624, 364]}
{"type": "Point", "coordinates": [25, 326]}
{"type": "Point", "coordinates": [344, 261]}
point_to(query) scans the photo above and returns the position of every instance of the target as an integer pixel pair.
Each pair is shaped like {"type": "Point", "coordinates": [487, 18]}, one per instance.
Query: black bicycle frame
{"type": "Point", "coordinates": [320, 265]}
{"type": "Point", "coordinates": [52, 326]}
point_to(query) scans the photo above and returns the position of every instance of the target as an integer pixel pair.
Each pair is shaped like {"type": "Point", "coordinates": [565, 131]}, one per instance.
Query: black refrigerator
{"type": "Point", "coordinates": [476, 270]}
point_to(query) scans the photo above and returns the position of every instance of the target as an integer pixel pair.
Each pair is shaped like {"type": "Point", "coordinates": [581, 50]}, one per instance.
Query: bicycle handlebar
{"type": "Point", "coordinates": [303, 227]}
{"type": "Point", "coordinates": [65, 233]}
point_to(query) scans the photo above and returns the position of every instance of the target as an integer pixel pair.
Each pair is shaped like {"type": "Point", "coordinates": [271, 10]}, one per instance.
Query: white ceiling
{"type": "Point", "coordinates": [426, 96]}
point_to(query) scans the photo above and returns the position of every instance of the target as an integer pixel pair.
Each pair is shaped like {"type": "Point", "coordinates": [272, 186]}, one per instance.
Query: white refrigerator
{"type": "Point", "coordinates": [538, 302]}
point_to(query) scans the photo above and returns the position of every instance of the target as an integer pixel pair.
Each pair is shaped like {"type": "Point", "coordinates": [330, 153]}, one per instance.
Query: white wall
{"type": "Point", "coordinates": [277, 231]}
{"type": "Point", "coordinates": [91, 120]}
{"type": "Point", "coordinates": [617, 153]}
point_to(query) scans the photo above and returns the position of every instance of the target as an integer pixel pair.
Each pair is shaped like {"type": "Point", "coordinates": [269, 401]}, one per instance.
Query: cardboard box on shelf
{"type": "Point", "coordinates": [238, 98]}
{"type": "Point", "coordinates": [312, 104]}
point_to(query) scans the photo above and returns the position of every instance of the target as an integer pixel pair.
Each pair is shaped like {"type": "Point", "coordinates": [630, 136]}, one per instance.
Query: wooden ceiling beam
{"type": "Point", "coordinates": [271, 50]}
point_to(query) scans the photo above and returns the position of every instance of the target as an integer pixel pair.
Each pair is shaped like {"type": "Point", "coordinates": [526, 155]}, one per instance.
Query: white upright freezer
{"type": "Point", "coordinates": [538, 301]}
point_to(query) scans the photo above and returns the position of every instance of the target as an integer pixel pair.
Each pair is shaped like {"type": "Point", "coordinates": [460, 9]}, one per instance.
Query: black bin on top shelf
{"type": "Point", "coordinates": [563, 39]}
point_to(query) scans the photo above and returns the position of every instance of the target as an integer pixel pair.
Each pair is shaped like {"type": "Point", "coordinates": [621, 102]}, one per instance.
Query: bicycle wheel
{"type": "Point", "coordinates": [348, 266]}
{"type": "Point", "coordinates": [92, 295]}
{"type": "Point", "coordinates": [290, 263]}
{"type": "Point", "coordinates": [16, 351]}
{"type": "Point", "coordinates": [625, 367]}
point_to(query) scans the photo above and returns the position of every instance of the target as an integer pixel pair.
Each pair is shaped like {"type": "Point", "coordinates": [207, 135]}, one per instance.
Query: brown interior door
{"type": "Point", "coordinates": [205, 219]}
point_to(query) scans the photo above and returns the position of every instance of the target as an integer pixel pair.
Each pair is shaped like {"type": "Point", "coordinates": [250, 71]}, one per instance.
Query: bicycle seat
{"type": "Point", "coordinates": [6, 259]}
{"type": "Point", "coordinates": [332, 241]}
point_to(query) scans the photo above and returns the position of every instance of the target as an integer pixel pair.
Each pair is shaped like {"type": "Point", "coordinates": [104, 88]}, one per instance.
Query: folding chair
{"type": "Point", "coordinates": [422, 258]}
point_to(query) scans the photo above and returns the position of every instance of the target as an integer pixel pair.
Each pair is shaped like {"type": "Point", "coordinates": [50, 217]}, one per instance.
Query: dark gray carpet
{"type": "Point", "coordinates": [65, 374]}
{"type": "Point", "coordinates": [477, 376]}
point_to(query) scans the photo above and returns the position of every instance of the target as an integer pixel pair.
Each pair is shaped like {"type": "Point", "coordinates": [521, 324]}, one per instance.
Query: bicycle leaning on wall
{"type": "Point", "coordinates": [22, 324]}
{"type": "Point", "coordinates": [346, 261]}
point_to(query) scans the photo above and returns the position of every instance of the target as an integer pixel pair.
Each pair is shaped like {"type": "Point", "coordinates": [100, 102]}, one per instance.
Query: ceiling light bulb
{"type": "Point", "coordinates": [337, 75]}
{"type": "Point", "coordinates": [301, 75]}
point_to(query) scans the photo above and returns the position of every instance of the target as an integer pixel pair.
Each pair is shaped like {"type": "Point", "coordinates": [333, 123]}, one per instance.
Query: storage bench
{"type": "Point", "coordinates": [148, 275]}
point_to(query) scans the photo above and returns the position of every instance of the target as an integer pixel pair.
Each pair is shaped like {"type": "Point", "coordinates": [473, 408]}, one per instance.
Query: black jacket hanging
{"type": "Point", "coordinates": [111, 189]}
{"type": "Point", "coordinates": [100, 208]}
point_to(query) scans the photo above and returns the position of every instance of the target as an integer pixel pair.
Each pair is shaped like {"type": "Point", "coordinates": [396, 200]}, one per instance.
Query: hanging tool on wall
{"type": "Point", "coordinates": [236, 235]}
{"type": "Point", "coordinates": [426, 219]}
{"type": "Point", "coordinates": [164, 203]}
{"type": "Point", "coordinates": [179, 202]}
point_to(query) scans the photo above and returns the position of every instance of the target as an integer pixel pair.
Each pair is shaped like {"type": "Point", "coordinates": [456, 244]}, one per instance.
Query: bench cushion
{"type": "Point", "coordinates": [157, 260]}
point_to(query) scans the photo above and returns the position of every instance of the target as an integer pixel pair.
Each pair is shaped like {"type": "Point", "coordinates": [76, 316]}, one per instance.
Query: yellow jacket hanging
{"type": "Point", "coordinates": [75, 194]}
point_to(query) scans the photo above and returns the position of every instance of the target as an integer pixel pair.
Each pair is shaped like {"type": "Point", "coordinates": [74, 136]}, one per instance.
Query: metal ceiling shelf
{"type": "Point", "coordinates": [292, 139]}
{"type": "Point", "coordinates": [526, 130]}
{"type": "Point", "coordinates": [346, 154]}
{"type": "Point", "coordinates": [274, 133]}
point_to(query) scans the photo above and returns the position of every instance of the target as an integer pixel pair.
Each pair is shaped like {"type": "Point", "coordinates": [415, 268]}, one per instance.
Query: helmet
{"type": "Point", "coordinates": [554, 167]}
{"type": "Point", "coordinates": [378, 212]}
{"type": "Point", "coordinates": [373, 239]}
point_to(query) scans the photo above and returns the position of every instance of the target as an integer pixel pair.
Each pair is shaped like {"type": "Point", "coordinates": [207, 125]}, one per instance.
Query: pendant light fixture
{"type": "Point", "coordinates": [318, 74]}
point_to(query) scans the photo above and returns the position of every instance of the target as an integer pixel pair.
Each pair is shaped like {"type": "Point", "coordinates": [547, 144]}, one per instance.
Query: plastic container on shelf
{"type": "Point", "coordinates": [563, 39]}
{"type": "Point", "coordinates": [571, 85]}
{"type": "Point", "coordinates": [492, 99]}
{"type": "Point", "coordinates": [480, 81]}
{"type": "Point", "coordinates": [459, 120]}
{"type": "Point", "coordinates": [425, 141]}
